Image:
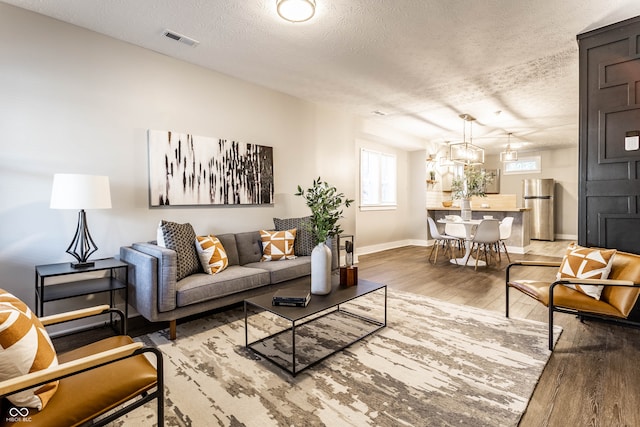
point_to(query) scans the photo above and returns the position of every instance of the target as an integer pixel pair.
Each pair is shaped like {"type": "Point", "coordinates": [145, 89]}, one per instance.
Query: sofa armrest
{"type": "Point", "coordinates": [166, 274]}
{"type": "Point", "coordinates": [151, 283]}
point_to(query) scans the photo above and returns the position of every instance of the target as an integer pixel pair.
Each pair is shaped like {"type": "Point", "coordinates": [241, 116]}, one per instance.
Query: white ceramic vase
{"type": "Point", "coordinates": [321, 269]}
{"type": "Point", "coordinates": [465, 209]}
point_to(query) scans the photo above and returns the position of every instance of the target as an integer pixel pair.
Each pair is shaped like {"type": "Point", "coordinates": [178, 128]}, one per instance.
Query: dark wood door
{"type": "Point", "coordinates": [609, 189]}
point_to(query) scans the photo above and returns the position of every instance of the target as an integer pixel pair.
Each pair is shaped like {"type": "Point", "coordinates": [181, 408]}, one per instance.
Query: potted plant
{"type": "Point", "coordinates": [472, 183]}
{"type": "Point", "coordinates": [326, 205]}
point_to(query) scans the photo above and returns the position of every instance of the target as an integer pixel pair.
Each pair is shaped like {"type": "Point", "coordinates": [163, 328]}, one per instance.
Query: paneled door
{"type": "Point", "coordinates": [609, 188]}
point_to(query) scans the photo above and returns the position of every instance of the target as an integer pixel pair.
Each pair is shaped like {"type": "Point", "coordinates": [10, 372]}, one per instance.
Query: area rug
{"type": "Point", "coordinates": [435, 364]}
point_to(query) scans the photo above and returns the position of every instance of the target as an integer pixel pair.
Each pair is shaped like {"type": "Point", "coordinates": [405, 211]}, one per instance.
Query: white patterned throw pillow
{"type": "Point", "coordinates": [586, 263]}
{"type": "Point", "coordinates": [25, 347]}
{"type": "Point", "coordinates": [212, 255]}
{"type": "Point", "coordinates": [277, 245]}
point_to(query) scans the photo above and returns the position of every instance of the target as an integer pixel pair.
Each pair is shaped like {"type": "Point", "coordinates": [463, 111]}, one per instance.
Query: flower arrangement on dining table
{"type": "Point", "coordinates": [472, 183]}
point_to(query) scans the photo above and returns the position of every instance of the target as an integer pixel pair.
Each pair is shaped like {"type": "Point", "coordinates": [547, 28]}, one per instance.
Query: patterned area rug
{"type": "Point", "coordinates": [435, 364]}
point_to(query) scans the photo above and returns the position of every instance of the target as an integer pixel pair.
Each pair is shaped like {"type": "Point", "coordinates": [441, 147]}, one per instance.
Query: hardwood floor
{"type": "Point", "coordinates": [593, 376]}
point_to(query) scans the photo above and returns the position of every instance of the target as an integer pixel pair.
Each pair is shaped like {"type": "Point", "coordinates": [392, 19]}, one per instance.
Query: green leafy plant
{"type": "Point", "coordinates": [472, 183]}
{"type": "Point", "coordinates": [325, 203]}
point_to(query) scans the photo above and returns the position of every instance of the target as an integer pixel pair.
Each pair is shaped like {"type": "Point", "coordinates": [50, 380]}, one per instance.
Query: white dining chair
{"type": "Point", "coordinates": [456, 230]}
{"type": "Point", "coordinates": [505, 233]}
{"type": "Point", "coordinates": [486, 236]}
{"type": "Point", "coordinates": [439, 239]}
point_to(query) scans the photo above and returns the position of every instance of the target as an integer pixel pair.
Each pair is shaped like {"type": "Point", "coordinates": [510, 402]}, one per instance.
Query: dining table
{"type": "Point", "coordinates": [467, 259]}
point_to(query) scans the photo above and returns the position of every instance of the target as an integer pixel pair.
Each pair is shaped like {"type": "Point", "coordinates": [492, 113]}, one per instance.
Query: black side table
{"type": "Point", "coordinates": [110, 283]}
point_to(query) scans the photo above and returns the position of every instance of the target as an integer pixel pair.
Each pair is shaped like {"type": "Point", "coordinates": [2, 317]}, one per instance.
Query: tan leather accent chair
{"type": "Point", "coordinates": [112, 376]}
{"type": "Point", "coordinates": [618, 298]}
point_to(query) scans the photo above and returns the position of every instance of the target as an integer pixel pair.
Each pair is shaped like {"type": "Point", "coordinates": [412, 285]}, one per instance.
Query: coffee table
{"type": "Point", "coordinates": [319, 309]}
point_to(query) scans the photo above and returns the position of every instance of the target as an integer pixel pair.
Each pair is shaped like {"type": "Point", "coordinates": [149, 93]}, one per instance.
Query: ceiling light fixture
{"type": "Point", "coordinates": [465, 152]}
{"type": "Point", "coordinates": [446, 160]}
{"type": "Point", "coordinates": [296, 10]}
{"type": "Point", "coordinates": [509, 155]}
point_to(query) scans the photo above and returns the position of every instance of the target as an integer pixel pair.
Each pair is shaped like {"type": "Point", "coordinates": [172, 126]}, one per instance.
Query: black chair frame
{"type": "Point", "coordinates": [560, 309]}
{"type": "Point", "coordinates": [158, 393]}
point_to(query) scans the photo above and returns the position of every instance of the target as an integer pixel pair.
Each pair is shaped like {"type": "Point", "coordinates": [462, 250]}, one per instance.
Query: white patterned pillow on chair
{"type": "Point", "coordinates": [586, 263]}
{"type": "Point", "coordinates": [25, 347]}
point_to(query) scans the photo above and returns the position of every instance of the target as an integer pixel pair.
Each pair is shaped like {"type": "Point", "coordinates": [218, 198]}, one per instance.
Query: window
{"type": "Point", "coordinates": [523, 165]}
{"type": "Point", "coordinates": [377, 180]}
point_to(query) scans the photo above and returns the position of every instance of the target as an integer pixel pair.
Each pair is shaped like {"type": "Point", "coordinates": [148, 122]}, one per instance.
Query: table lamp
{"type": "Point", "coordinates": [76, 191]}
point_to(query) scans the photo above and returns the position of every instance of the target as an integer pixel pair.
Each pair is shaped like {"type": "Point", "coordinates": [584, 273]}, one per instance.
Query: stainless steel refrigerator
{"type": "Point", "coordinates": [538, 196]}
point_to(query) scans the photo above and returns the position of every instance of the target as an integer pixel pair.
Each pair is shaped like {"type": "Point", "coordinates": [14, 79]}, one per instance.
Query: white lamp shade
{"type": "Point", "coordinates": [76, 191]}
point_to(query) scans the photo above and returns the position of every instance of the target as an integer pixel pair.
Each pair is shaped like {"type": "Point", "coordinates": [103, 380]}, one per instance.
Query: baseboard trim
{"type": "Point", "coordinates": [566, 237]}
{"type": "Point", "coordinates": [364, 250]}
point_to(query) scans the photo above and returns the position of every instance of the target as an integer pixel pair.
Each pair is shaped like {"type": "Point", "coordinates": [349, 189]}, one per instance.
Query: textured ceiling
{"type": "Point", "coordinates": [422, 62]}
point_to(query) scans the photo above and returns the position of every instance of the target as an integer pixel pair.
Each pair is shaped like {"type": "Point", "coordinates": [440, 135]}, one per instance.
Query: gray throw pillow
{"type": "Point", "coordinates": [182, 239]}
{"type": "Point", "coordinates": [304, 242]}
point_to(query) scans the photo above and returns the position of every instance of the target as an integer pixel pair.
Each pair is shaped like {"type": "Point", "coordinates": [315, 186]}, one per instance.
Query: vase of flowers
{"type": "Point", "coordinates": [326, 205]}
{"type": "Point", "coordinates": [473, 182]}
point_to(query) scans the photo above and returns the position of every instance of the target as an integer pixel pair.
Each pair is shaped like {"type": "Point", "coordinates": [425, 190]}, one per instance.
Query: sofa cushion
{"type": "Point", "coordinates": [230, 245]}
{"type": "Point", "coordinates": [286, 270]}
{"type": "Point", "coordinates": [277, 245]}
{"type": "Point", "coordinates": [24, 347]}
{"type": "Point", "coordinates": [586, 263]}
{"type": "Point", "coordinates": [213, 256]}
{"type": "Point", "coordinates": [203, 287]}
{"type": "Point", "coordinates": [249, 247]}
{"type": "Point", "coordinates": [181, 238]}
{"type": "Point", "coordinates": [305, 242]}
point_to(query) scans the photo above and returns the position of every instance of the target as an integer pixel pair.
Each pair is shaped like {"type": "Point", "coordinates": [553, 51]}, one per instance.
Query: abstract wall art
{"type": "Point", "coordinates": [188, 170]}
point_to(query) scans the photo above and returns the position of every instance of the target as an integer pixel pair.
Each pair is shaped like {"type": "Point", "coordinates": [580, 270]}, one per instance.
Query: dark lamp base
{"type": "Point", "coordinates": [82, 264]}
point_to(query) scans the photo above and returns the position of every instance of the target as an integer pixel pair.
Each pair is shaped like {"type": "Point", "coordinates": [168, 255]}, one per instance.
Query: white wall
{"type": "Point", "coordinates": [79, 102]}
{"type": "Point", "coordinates": [75, 101]}
{"type": "Point", "coordinates": [562, 166]}
{"type": "Point", "coordinates": [384, 229]}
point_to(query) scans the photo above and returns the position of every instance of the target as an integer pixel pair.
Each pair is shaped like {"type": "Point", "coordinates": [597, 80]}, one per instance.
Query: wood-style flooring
{"type": "Point", "coordinates": [593, 376]}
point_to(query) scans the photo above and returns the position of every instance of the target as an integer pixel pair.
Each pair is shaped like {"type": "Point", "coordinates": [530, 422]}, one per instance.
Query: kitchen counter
{"type": "Point", "coordinates": [489, 209]}
{"type": "Point", "coordinates": [520, 239]}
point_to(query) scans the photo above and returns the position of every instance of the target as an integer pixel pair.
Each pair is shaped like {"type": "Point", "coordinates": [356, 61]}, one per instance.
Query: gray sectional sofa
{"type": "Point", "coordinates": [156, 294]}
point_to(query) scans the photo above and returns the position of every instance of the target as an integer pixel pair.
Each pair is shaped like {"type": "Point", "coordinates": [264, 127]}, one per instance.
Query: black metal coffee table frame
{"type": "Point", "coordinates": [301, 315]}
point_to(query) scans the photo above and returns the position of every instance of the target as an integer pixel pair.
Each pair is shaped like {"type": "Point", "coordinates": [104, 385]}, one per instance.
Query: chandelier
{"type": "Point", "coordinates": [509, 155]}
{"type": "Point", "coordinates": [296, 10]}
{"type": "Point", "coordinates": [465, 152]}
{"type": "Point", "coordinates": [446, 160]}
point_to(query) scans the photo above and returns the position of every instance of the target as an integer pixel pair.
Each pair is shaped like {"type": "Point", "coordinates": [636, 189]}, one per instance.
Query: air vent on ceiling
{"type": "Point", "coordinates": [181, 38]}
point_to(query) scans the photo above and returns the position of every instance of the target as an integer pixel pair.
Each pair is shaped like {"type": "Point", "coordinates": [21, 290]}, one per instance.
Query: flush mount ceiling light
{"type": "Point", "coordinates": [465, 152]}
{"type": "Point", "coordinates": [296, 10]}
{"type": "Point", "coordinates": [509, 155]}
